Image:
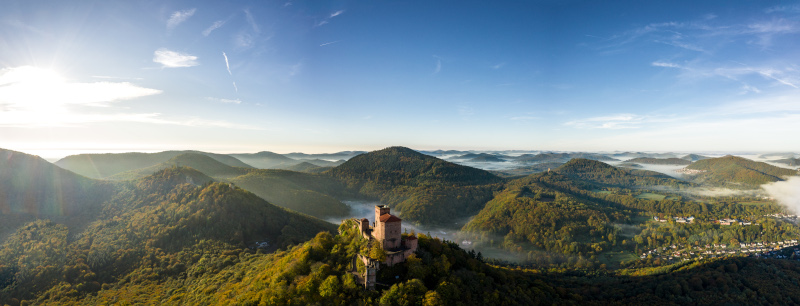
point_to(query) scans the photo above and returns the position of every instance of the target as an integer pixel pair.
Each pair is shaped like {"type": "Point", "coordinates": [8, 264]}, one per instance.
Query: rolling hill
{"type": "Point", "coordinates": [659, 161]}
{"type": "Point", "coordinates": [266, 160]}
{"type": "Point", "coordinates": [604, 174]}
{"type": "Point", "coordinates": [560, 157]}
{"type": "Point", "coordinates": [310, 194]}
{"type": "Point", "coordinates": [201, 162]}
{"type": "Point", "coordinates": [105, 165]}
{"type": "Point", "coordinates": [792, 162]}
{"type": "Point", "coordinates": [165, 226]}
{"type": "Point", "coordinates": [421, 188]}
{"type": "Point", "coordinates": [737, 172]}
{"type": "Point", "coordinates": [694, 157]}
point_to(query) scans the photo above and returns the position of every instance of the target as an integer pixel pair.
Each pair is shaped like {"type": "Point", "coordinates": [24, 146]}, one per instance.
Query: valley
{"type": "Point", "coordinates": [186, 217]}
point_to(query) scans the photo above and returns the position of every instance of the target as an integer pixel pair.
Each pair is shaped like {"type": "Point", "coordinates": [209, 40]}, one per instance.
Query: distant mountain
{"type": "Point", "coordinates": [792, 162]}
{"type": "Point", "coordinates": [601, 173]}
{"type": "Point", "coordinates": [694, 157]}
{"type": "Point", "coordinates": [321, 162]}
{"type": "Point", "coordinates": [526, 170]}
{"type": "Point", "coordinates": [422, 188]}
{"type": "Point", "coordinates": [561, 157]}
{"type": "Point", "coordinates": [778, 155]}
{"type": "Point", "coordinates": [659, 161]}
{"type": "Point", "coordinates": [737, 172]}
{"type": "Point", "coordinates": [302, 167]}
{"type": "Point", "coordinates": [266, 160]}
{"type": "Point", "coordinates": [644, 154]}
{"type": "Point", "coordinates": [201, 162]}
{"type": "Point", "coordinates": [327, 156]}
{"type": "Point", "coordinates": [444, 152]}
{"type": "Point", "coordinates": [629, 165]}
{"type": "Point", "coordinates": [310, 194]}
{"type": "Point", "coordinates": [486, 158]}
{"type": "Point", "coordinates": [105, 165]}
{"type": "Point", "coordinates": [32, 185]}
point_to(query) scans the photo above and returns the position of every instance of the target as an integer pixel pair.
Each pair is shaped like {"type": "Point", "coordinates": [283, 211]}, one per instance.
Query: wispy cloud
{"type": "Point", "coordinates": [295, 69]}
{"type": "Point", "coordinates": [665, 64]}
{"type": "Point", "coordinates": [524, 118]}
{"type": "Point", "coordinates": [783, 9]}
{"type": "Point", "coordinates": [227, 65]}
{"type": "Point", "coordinates": [179, 17]}
{"type": "Point", "coordinates": [337, 13]}
{"type": "Point", "coordinates": [216, 25]}
{"type": "Point", "coordinates": [173, 59]}
{"type": "Point", "coordinates": [438, 67]}
{"type": "Point", "coordinates": [498, 66]}
{"type": "Point", "coordinates": [251, 21]}
{"type": "Point", "coordinates": [329, 43]}
{"type": "Point", "coordinates": [228, 101]}
{"type": "Point", "coordinates": [327, 19]}
{"type": "Point", "coordinates": [617, 121]}
{"type": "Point", "coordinates": [244, 40]}
{"type": "Point", "coordinates": [236, 88]}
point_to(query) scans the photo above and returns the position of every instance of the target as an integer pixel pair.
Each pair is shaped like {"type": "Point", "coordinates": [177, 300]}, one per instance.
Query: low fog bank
{"type": "Point", "coordinates": [786, 192]}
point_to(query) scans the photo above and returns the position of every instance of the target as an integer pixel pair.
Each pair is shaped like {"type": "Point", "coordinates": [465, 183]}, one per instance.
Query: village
{"type": "Point", "coordinates": [756, 249]}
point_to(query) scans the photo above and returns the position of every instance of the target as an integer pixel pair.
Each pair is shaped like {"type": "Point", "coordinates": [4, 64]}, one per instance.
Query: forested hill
{"type": "Point", "coordinates": [266, 160]}
{"type": "Point", "coordinates": [420, 188]}
{"type": "Point", "coordinates": [737, 172]}
{"type": "Point", "coordinates": [105, 165]}
{"type": "Point", "coordinates": [601, 173]}
{"type": "Point", "coordinates": [402, 166]}
{"type": "Point", "coordinates": [32, 185]}
{"type": "Point", "coordinates": [201, 162]}
{"type": "Point", "coordinates": [792, 162]}
{"type": "Point", "coordinates": [159, 228]}
{"type": "Point", "coordinates": [659, 161]}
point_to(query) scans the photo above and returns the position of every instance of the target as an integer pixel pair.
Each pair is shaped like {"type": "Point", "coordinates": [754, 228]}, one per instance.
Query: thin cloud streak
{"type": "Point", "coordinates": [179, 17]}
{"type": "Point", "coordinates": [216, 25]}
{"type": "Point", "coordinates": [251, 21]}
{"type": "Point", "coordinates": [329, 43]}
{"type": "Point", "coordinates": [227, 65]}
{"type": "Point", "coordinates": [173, 59]}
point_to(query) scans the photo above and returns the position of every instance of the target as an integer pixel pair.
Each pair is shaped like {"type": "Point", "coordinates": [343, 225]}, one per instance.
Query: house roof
{"type": "Point", "coordinates": [389, 218]}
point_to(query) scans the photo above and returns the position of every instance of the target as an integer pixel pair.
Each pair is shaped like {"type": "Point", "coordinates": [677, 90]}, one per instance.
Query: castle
{"type": "Point", "coordinates": [386, 230]}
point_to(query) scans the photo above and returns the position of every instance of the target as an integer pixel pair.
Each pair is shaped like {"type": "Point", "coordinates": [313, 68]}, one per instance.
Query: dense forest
{"type": "Point", "coordinates": [192, 229]}
{"type": "Point", "coordinates": [660, 161]}
{"type": "Point", "coordinates": [737, 172]}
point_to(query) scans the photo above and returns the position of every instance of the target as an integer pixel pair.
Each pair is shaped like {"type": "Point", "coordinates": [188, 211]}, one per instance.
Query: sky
{"type": "Point", "coordinates": [326, 76]}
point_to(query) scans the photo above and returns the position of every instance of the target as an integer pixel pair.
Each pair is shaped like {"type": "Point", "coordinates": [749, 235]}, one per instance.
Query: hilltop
{"type": "Point", "coordinates": [105, 165]}
{"type": "Point", "coordinates": [561, 157]}
{"type": "Point", "coordinates": [420, 187]}
{"type": "Point", "coordinates": [266, 160]}
{"type": "Point", "coordinates": [161, 227]}
{"type": "Point", "coordinates": [792, 162]}
{"type": "Point", "coordinates": [601, 173]}
{"type": "Point", "coordinates": [737, 172]}
{"type": "Point", "coordinates": [694, 157]}
{"type": "Point", "coordinates": [201, 162]}
{"type": "Point", "coordinates": [659, 161]}
{"type": "Point", "coordinates": [311, 194]}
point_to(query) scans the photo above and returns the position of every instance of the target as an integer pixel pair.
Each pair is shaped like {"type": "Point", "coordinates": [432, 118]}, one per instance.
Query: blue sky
{"type": "Point", "coordinates": [322, 76]}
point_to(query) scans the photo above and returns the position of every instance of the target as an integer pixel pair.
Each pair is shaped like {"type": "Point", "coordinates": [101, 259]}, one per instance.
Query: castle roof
{"type": "Point", "coordinates": [411, 238]}
{"type": "Point", "coordinates": [389, 218]}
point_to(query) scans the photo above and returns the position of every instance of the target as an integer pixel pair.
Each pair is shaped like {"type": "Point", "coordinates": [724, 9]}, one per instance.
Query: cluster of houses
{"type": "Point", "coordinates": [689, 171]}
{"type": "Point", "coordinates": [783, 216]}
{"type": "Point", "coordinates": [675, 252]}
{"type": "Point", "coordinates": [689, 219]}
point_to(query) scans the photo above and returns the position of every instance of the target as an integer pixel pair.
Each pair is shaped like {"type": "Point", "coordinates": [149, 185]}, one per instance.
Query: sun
{"type": "Point", "coordinates": [31, 87]}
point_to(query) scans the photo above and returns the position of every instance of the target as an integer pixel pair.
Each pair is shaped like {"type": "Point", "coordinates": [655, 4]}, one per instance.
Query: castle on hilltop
{"type": "Point", "coordinates": [386, 230]}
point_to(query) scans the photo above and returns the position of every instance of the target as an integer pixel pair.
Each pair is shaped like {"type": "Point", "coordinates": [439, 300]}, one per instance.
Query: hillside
{"type": "Point", "coordinates": [607, 175]}
{"type": "Point", "coordinates": [421, 188]}
{"type": "Point", "coordinates": [737, 172]}
{"type": "Point", "coordinates": [160, 228]}
{"type": "Point", "coordinates": [344, 155]}
{"type": "Point", "coordinates": [694, 157]}
{"type": "Point", "coordinates": [792, 162]}
{"type": "Point", "coordinates": [486, 158]}
{"type": "Point", "coordinates": [201, 162]}
{"type": "Point", "coordinates": [659, 161]}
{"type": "Point", "coordinates": [560, 157]}
{"type": "Point", "coordinates": [31, 187]}
{"type": "Point", "coordinates": [310, 194]}
{"type": "Point", "coordinates": [105, 165]}
{"type": "Point", "coordinates": [303, 167]}
{"type": "Point", "coordinates": [266, 160]}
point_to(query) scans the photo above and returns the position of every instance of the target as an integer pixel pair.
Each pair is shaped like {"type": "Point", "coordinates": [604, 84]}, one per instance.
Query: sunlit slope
{"type": "Point", "coordinates": [32, 185]}
{"type": "Point", "coordinates": [160, 228]}
{"type": "Point", "coordinates": [311, 194]}
{"type": "Point", "coordinates": [105, 165]}
{"type": "Point", "coordinates": [201, 162]}
{"type": "Point", "coordinates": [560, 211]}
{"type": "Point", "coordinates": [737, 172]}
{"type": "Point", "coordinates": [607, 175]}
{"type": "Point", "coordinates": [421, 188]}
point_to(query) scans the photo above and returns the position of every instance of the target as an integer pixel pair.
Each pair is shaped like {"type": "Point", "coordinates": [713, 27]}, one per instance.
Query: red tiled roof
{"type": "Point", "coordinates": [389, 218]}
{"type": "Point", "coordinates": [411, 238]}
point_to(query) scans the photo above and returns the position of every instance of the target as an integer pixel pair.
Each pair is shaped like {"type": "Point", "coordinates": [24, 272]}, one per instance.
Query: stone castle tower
{"type": "Point", "coordinates": [387, 228]}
